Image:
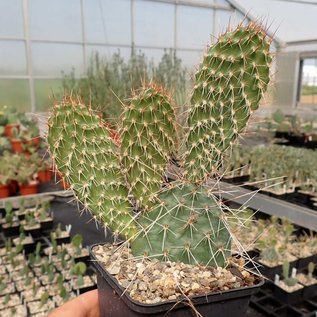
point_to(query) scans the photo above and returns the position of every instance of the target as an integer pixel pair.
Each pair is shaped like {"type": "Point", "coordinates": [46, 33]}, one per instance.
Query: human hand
{"type": "Point", "coordinates": [85, 305]}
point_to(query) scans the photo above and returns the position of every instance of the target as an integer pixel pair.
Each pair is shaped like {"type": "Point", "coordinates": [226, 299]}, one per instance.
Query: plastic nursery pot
{"type": "Point", "coordinates": [62, 240]}
{"type": "Point", "coordinates": [34, 142]}
{"type": "Point", "coordinates": [270, 272]}
{"type": "Point", "coordinates": [4, 191]}
{"type": "Point", "coordinates": [303, 262]}
{"type": "Point", "coordinates": [29, 247]}
{"type": "Point", "coordinates": [286, 297]}
{"type": "Point", "coordinates": [17, 145]}
{"type": "Point", "coordinates": [29, 189]}
{"type": "Point", "coordinates": [84, 258]}
{"type": "Point", "coordinates": [114, 302]}
{"type": "Point", "coordinates": [45, 176]}
{"type": "Point", "coordinates": [34, 232]}
{"type": "Point", "coordinates": [11, 231]}
{"type": "Point", "coordinates": [8, 129]}
{"type": "Point", "coordinates": [46, 225]}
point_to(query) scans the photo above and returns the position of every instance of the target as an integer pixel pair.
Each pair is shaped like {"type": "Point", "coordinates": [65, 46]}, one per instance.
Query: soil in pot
{"type": "Point", "coordinates": [288, 294]}
{"type": "Point", "coordinates": [162, 287]}
{"type": "Point", "coordinates": [4, 191]}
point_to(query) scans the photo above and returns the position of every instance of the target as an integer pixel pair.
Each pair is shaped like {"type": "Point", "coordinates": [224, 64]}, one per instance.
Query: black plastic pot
{"type": "Point", "coordinates": [288, 298]}
{"type": "Point", "coordinates": [29, 247]}
{"type": "Point", "coordinates": [282, 135]}
{"type": "Point", "coordinates": [84, 258]}
{"type": "Point", "coordinates": [302, 263]}
{"type": "Point", "coordinates": [270, 272]}
{"type": "Point", "coordinates": [64, 240]}
{"type": "Point", "coordinates": [46, 225]}
{"type": "Point", "coordinates": [34, 232]}
{"type": "Point", "coordinates": [115, 302]}
{"type": "Point", "coordinates": [309, 291]}
{"type": "Point", "coordinates": [11, 231]}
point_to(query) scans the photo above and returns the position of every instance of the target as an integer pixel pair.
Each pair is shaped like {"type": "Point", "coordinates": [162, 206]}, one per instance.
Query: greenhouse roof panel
{"type": "Point", "coordinates": [291, 20]}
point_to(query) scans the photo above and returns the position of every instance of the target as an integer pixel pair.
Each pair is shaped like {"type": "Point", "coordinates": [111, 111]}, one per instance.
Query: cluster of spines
{"type": "Point", "coordinates": [187, 225]}
{"type": "Point", "coordinates": [85, 154]}
{"type": "Point", "coordinates": [230, 83]}
{"type": "Point", "coordinates": [148, 136]}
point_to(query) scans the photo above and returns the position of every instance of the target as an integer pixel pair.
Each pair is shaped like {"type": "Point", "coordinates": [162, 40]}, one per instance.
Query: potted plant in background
{"type": "Point", "coordinates": [4, 142]}
{"type": "Point", "coordinates": [26, 176]}
{"type": "Point", "coordinates": [179, 227]}
{"type": "Point", "coordinates": [6, 176]}
{"type": "Point", "coordinates": [45, 171]}
{"type": "Point", "coordinates": [11, 120]}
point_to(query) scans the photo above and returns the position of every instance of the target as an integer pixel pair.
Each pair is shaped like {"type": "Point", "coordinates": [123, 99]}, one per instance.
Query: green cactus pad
{"type": "Point", "coordinates": [148, 135]}
{"type": "Point", "coordinates": [188, 226]}
{"type": "Point", "coordinates": [230, 83]}
{"type": "Point", "coordinates": [84, 153]}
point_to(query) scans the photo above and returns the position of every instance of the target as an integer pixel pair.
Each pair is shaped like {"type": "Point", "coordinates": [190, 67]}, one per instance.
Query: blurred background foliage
{"type": "Point", "coordinates": [108, 83]}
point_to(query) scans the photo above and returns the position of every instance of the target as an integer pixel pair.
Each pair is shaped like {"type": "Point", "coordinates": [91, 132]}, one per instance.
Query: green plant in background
{"type": "Point", "coordinates": [27, 171]}
{"type": "Point", "coordinates": [6, 171]}
{"type": "Point", "coordinates": [77, 241]}
{"type": "Point", "coordinates": [9, 216]}
{"type": "Point", "coordinates": [109, 81]}
{"type": "Point", "coordinates": [311, 269]}
{"type": "Point", "coordinates": [44, 298]}
{"type": "Point", "coordinates": [287, 279]}
{"type": "Point", "coordinates": [182, 221]}
{"type": "Point", "coordinates": [79, 270]}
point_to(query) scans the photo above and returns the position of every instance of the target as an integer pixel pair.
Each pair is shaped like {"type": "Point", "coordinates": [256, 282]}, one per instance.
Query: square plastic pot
{"type": "Point", "coordinates": [288, 298]}
{"type": "Point", "coordinates": [115, 302]}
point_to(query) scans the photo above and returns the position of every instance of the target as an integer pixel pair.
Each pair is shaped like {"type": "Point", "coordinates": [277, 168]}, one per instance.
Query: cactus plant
{"type": "Point", "coordinates": [121, 185]}
{"type": "Point", "coordinates": [288, 280]}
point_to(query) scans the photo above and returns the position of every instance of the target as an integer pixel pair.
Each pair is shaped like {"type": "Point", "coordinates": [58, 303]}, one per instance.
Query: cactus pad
{"type": "Point", "coordinates": [86, 156]}
{"type": "Point", "coordinates": [230, 83]}
{"type": "Point", "coordinates": [187, 225]}
{"type": "Point", "coordinates": [148, 136]}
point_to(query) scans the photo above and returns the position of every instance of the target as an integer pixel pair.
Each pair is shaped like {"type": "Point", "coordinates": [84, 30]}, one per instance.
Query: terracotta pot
{"type": "Point", "coordinates": [44, 176]}
{"type": "Point", "coordinates": [16, 145]}
{"type": "Point", "coordinates": [29, 189]}
{"type": "Point", "coordinates": [35, 141]}
{"type": "Point", "coordinates": [8, 129]}
{"type": "Point", "coordinates": [4, 191]}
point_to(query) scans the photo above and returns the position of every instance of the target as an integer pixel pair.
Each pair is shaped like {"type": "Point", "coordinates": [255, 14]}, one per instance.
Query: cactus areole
{"type": "Point", "coordinates": [121, 185]}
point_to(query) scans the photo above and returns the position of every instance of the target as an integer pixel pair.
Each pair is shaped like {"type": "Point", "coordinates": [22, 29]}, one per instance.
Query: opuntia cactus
{"type": "Point", "coordinates": [122, 185]}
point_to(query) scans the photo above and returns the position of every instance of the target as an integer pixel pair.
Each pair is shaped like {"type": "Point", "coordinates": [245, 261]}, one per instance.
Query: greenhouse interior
{"type": "Point", "coordinates": [158, 158]}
